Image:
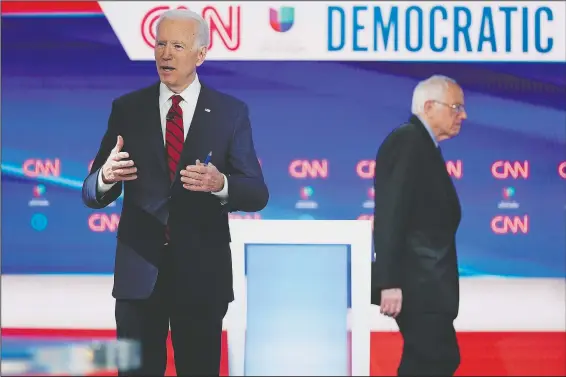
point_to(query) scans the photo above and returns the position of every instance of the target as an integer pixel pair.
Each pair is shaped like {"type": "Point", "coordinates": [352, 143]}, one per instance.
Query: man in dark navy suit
{"type": "Point", "coordinates": [417, 213]}
{"type": "Point", "coordinates": [184, 156]}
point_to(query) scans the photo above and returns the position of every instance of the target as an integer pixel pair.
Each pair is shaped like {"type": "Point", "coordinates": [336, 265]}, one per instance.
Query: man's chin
{"type": "Point", "coordinates": [168, 81]}
{"type": "Point", "coordinates": [174, 83]}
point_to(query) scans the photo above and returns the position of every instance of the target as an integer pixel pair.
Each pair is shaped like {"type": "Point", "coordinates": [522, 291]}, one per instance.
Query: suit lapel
{"type": "Point", "coordinates": [196, 133]}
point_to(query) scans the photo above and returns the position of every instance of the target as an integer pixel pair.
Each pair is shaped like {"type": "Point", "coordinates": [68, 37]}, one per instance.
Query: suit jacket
{"type": "Point", "coordinates": [416, 216]}
{"type": "Point", "coordinates": [198, 222]}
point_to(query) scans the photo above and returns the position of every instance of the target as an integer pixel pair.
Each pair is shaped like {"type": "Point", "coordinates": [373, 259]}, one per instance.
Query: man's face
{"type": "Point", "coordinates": [447, 115]}
{"type": "Point", "coordinates": [177, 54]}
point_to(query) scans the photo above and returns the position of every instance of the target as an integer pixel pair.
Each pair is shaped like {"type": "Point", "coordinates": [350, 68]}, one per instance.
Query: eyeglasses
{"type": "Point", "coordinates": [456, 107]}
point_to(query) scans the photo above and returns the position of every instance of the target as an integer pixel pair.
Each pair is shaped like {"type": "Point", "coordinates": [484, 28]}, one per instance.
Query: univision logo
{"type": "Point", "coordinates": [306, 202]}
{"type": "Point", "coordinates": [508, 202]}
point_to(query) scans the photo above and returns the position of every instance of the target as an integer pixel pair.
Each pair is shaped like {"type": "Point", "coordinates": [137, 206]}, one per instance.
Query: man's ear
{"type": "Point", "coordinates": [201, 55]}
{"type": "Point", "coordinates": [428, 106]}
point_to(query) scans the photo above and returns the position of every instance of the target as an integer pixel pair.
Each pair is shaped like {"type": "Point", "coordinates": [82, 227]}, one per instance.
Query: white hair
{"type": "Point", "coordinates": [203, 34]}
{"type": "Point", "coordinates": [432, 89]}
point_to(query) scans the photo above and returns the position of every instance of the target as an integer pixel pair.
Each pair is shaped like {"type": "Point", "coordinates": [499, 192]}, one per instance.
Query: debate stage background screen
{"type": "Point", "coordinates": [317, 127]}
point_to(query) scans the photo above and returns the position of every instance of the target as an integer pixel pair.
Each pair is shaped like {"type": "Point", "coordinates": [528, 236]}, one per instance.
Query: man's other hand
{"type": "Point", "coordinates": [201, 177]}
{"type": "Point", "coordinates": [391, 302]}
{"type": "Point", "coordinates": [118, 167]}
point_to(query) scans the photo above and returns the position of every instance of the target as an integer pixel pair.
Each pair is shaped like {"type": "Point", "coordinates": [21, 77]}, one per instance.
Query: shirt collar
{"type": "Point", "coordinates": [429, 130]}
{"type": "Point", "coordinates": [191, 92]}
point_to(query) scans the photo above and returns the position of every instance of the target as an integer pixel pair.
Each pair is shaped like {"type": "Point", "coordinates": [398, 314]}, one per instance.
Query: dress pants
{"type": "Point", "coordinates": [430, 347]}
{"type": "Point", "coordinates": [196, 331]}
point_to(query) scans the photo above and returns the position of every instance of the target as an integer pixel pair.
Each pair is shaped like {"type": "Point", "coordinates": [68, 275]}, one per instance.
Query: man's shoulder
{"type": "Point", "coordinates": [403, 139]}
{"type": "Point", "coordinates": [407, 132]}
{"type": "Point", "coordinates": [138, 95]}
{"type": "Point", "coordinates": [224, 99]}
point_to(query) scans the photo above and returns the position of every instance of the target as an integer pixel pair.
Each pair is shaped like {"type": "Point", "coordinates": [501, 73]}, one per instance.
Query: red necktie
{"type": "Point", "coordinates": [174, 140]}
{"type": "Point", "coordinates": [174, 135]}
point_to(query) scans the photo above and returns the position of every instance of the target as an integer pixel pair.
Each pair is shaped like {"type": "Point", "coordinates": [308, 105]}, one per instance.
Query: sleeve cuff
{"type": "Point", "coordinates": [103, 187]}
{"type": "Point", "coordinates": [223, 194]}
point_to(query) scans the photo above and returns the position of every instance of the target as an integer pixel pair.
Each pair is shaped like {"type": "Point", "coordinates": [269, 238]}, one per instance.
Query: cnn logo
{"type": "Point", "coordinates": [507, 169]}
{"type": "Point", "coordinates": [365, 169]}
{"type": "Point", "coordinates": [101, 222]}
{"type": "Point", "coordinates": [302, 169]}
{"type": "Point", "coordinates": [34, 168]}
{"type": "Point", "coordinates": [513, 225]}
{"type": "Point", "coordinates": [228, 28]}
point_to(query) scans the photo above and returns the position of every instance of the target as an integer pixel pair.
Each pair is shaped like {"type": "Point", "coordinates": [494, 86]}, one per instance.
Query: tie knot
{"type": "Point", "coordinates": [176, 99]}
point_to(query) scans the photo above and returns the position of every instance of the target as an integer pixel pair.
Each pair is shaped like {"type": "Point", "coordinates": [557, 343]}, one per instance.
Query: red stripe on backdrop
{"type": "Point", "coordinates": [485, 353]}
{"type": "Point", "coordinates": [24, 7]}
{"type": "Point", "coordinates": [107, 334]}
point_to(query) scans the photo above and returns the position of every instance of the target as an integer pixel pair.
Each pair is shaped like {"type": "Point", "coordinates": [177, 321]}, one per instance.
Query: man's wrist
{"type": "Point", "coordinates": [106, 182]}
{"type": "Point", "coordinates": [221, 184]}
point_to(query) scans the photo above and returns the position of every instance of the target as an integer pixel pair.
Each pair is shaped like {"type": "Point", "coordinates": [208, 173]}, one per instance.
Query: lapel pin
{"type": "Point", "coordinates": [207, 110]}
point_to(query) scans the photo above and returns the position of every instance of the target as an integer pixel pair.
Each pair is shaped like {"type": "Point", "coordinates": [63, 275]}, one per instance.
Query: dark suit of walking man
{"type": "Point", "coordinates": [417, 212]}
{"type": "Point", "coordinates": [173, 263]}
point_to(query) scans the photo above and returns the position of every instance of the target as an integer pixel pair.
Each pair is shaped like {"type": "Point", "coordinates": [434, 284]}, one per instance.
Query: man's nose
{"type": "Point", "coordinates": [167, 52]}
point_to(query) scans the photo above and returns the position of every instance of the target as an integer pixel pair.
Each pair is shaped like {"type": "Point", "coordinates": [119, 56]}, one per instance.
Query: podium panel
{"type": "Point", "coordinates": [297, 308]}
{"type": "Point", "coordinates": [302, 298]}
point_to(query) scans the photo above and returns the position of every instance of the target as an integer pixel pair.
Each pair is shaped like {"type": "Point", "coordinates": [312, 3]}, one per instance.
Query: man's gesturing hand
{"type": "Point", "coordinates": [201, 177]}
{"type": "Point", "coordinates": [391, 302]}
{"type": "Point", "coordinates": [117, 167]}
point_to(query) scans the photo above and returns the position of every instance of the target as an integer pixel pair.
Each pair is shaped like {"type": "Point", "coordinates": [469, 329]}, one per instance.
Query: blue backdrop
{"type": "Point", "coordinates": [59, 76]}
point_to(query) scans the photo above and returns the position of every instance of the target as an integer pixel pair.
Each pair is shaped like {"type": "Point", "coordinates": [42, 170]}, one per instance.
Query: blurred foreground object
{"type": "Point", "coordinates": [96, 358]}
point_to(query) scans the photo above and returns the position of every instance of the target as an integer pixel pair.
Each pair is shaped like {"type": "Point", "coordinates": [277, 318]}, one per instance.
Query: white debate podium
{"type": "Point", "coordinates": [302, 297]}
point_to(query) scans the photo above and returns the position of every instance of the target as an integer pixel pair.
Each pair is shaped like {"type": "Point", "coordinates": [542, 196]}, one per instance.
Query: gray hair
{"type": "Point", "coordinates": [432, 89]}
{"type": "Point", "coordinates": [203, 36]}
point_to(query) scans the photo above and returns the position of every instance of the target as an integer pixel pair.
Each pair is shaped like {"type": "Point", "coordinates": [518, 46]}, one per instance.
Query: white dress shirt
{"type": "Point", "coordinates": [429, 130]}
{"type": "Point", "coordinates": [188, 105]}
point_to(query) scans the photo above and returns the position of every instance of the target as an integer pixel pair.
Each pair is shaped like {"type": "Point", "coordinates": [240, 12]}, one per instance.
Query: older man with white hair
{"type": "Point", "coordinates": [184, 156]}
{"type": "Point", "coordinates": [417, 213]}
